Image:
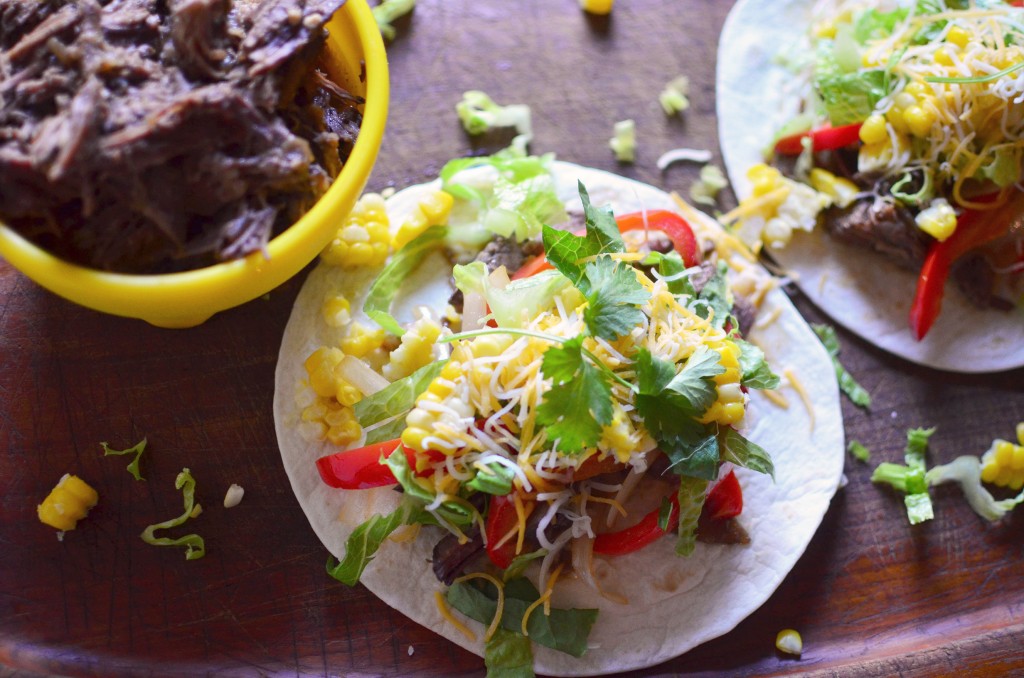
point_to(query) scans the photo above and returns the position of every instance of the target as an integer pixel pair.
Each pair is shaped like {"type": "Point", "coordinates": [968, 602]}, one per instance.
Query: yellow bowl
{"type": "Point", "coordinates": [189, 298]}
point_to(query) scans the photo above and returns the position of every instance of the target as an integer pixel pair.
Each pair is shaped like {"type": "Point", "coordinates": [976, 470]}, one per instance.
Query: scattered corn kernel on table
{"type": "Point", "coordinates": [872, 595]}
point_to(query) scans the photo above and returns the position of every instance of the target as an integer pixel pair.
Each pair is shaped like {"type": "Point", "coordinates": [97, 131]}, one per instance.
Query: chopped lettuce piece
{"type": "Point", "coordinates": [520, 199]}
{"type": "Point", "coordinates": [911, 477]}
{"type": "Point", "coordinates": [857, 394]}
{"type": "Point", "coordinates": [479, 113]}
{"type": "Point", "coordinates": [362, 545]}
{"type": "Point", "coordinates": [496, 480]}
{"type": "Point", "coordinates": [624, 141]}
{"type": "Point", "coordinates": [519, 301]}
{"type": "Point", "coordinates": [673, 97]}
{"type": "Point", "coordinates": [745, 453]}
{"type": "Point", "coordinates": [194, 545]}
{"type": "Point", "coordinates": [692, 493]}
{"type": "Point", "coordinates": [705, 190]}
{"type": "Point", "coordinates": [754, 368]}
{"type": "Point", "coordinates": [859, 451]}
{"type": "Point", "coordinates": [389, 11]}
{"type": "Point", "coordinates": [136, 449]}
{"type": "Point", "coordinates": [847, 97]}
{"type": "Point", "coordinates": [393, 402]}
{"type": "Point", "coordinates": [387, 284]}
{"type": "Point", "coordinates": [508, 655]}
{"type": "Point", "coordinates": [449, 511]}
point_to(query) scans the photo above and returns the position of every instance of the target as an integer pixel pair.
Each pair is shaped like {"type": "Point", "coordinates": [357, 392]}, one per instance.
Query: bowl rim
{"type": "Point", "coordinates": [239, 280]}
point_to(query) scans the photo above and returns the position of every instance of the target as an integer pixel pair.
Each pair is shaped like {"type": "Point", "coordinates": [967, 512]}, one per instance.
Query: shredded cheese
{"type": "Point", "coordinates": [500, 609]}
{"type": "Point", "coordinates": [442, 607]}
{"type": "Point", "coordinates": [802, 392]}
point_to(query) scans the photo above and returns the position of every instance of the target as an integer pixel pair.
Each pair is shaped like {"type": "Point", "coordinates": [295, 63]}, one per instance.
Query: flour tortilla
{"type": "Point", "coordinates": [674, 603]}
{"type": "Point", "coordinates": [862, 291]}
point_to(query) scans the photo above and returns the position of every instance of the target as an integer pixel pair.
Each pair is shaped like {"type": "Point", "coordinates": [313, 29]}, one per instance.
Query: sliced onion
{"type": "Point", "coordinates": [474, 308]}
{"type": "Point", "coordinates": [359, 374]}
{"type": "Point", "coordinates": [582, 561]}
{"type": "Point", "coordinates": [628, 485]}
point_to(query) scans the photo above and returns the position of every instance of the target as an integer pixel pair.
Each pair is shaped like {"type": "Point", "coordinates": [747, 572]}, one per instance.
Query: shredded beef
{"type": "Point", "coordinates": [162, 135]}
{"type": "Point", "coordinates": [882, 225]}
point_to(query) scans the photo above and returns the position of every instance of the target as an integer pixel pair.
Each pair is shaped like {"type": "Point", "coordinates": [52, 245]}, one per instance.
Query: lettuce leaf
{"type": "Point", "coordinates": [393, 401]}
{"type": "Point", "coordinates": [362, 545]}
{"type": "Point", "coordinates": [847, 97]}
{"type": "Point", "coordinates": [194, 545]}
{"type": "Point", "coordinates": [564, 630]}
{"type": "Point", "coordinates": [520, 301]}
{"type": "Point", "coordinates": [387, 284]}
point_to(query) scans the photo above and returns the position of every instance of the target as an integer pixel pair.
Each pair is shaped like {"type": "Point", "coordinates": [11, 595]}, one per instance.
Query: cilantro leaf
{"type": "Point", "coordinates": [136, 449]}
{"type": "Point", "coordinates": [693, 390]}
{"type": "Point", "coordinates": [754, 369]}
{"type": "Point", "coordinates": [564, 250]}
{"type": "Point", "coordinates": [579, 402]}
{"type": "Point", "coordinates": [745, 453]}
{"type": "Point", "coordinates": [695, 459]}
{"type": "Point", "coordinates": [613, 291]}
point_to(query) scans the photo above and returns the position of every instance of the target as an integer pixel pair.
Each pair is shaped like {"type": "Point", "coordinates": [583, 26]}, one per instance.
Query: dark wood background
{"type": "Point", "coordinates": [872, 596]}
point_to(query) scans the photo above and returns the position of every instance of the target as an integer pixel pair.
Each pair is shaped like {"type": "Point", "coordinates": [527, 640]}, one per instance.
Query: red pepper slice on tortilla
{"type": "Point", "coordinates": [974, 228]}
{"type": "Point", "coordinates": [671, 224]}
{"type": "Point", "coordinates": [725, 500]}
{"type": "Point", "coordinates": [638, 536]}
{"type": "Point", "coordinates": [501, 518]}
{"type": "Point", "coordinates": [825, 138]}
{"type": "Point", "coordinates": [361, 468]}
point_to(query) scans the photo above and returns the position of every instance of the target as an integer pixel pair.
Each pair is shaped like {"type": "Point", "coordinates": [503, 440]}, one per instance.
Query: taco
{"type": "Point", "coordinates": [604, 375]}
{"type": "Point", "coordinates": [876, 150]}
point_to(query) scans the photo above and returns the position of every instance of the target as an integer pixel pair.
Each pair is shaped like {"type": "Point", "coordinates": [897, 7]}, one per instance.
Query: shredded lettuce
{"type": "Point", "coordinates": [362, 545]}
{"type": "Point", "coordinates": [859, 451]}
{"type": "Point", "coordinates": [910, 478]}
{"type": "Point", "coordinates": [452, 512]}
{"type": "Point", "coordinates": [691, 495]}
{"type": "Point", "coordinates": [387, 284]}
{"type": "Point", "coordinates": [520, 199]}
{"type": "Point", "coordinates": [508, 655]}
{"type": "Point", "coordinates": [705, 190]}
{"type": "Point", "coordinates": [624, 141]}
{"type": "Point", "coordinates": [521, 300]}
{"type": "Point", "coordinates": [754, 369]}
{"type": "Point", "coordinates": [479, 114]}
{"type": "Point", "coordinates": [393, 402]}
{"type": "Point", "coordinates": [673, 97]}
{"type": "Point", "coordinates": [136, 449]}
{"type": "Point", "coordinates": [194, 545]}
{"type": "Point", "coordinates": [847, 96]}
{"type": "Point", "coordinates": [389, 11]}
{"type": "Point", "coordinates": [857, 394]}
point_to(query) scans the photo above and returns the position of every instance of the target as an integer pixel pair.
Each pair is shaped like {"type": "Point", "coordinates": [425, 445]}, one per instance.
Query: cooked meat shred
{"type": "Point", "coordinates": [882, 225]}
{"type": "Point", "coordinates": [161, 135]}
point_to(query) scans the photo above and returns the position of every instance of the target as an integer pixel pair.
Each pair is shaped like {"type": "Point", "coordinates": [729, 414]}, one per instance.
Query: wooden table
{"type": "Point", "coordinates": [872, 596]}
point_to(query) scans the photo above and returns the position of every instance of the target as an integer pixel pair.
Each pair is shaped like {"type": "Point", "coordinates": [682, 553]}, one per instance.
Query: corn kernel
{"type": "Point", "coordinates": [841, 191]}
{"type": "Point", "coordinates": [320, 369]}
{"type": "Point", "coordinates": [336, 311]}
{"type": "Point", "coordinates": [1003, 463]}
{"type": "Point", "coordinates": [937, 220]}
{"type": "Point", "coordinates": [904, 100]}
{"type": "Point", "coordinates": [415, 351]}
{"type": "Point", "coordinates": [597, 6]}
{"type": "Point", "coordinates": [958, 37]}
{"type": "Point", "coordinates": [363, 239]}
{"type": "Point", "coordinates": [432, 210]}
{"type": "Point", "coordinates": [67, 503]}
{"type": "Point", "coordinates": [824, 29]}
{"type": "Point", "coordinates": [874, 130]}
{"type": "Point", "coordinates": [764, 179]}
{"type": "Point", "coordinates": [361, 340]}
{"type": "Point", "coordinates": [916, 89]}
{"type": "Point", "coordinates": [789, 641]}
{"type": "Point", "coordinates": [943, 58]}
{"type": "Point", "coordinates": [919, 120]}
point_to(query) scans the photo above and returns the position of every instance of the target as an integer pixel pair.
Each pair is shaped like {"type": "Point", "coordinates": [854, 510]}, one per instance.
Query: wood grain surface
{"type": "Point", "coordinates": [872, 596]}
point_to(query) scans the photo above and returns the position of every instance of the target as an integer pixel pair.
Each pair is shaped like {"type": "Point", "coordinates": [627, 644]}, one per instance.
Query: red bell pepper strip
{"type": "Point", "coordinates": [666, 221]}
{"type": "Point", "coordinates": [638, 536]}
{"type": "Point", "coordinates": [974, 228]}
{"type": "Point", "coordinates": [501, 518]}
{"type": "Point", "coordinates": [361, 468]}
{"type": "Point", "coordinates": [725, 500]}
{"type": "Point", "coordinates": [825, 138]}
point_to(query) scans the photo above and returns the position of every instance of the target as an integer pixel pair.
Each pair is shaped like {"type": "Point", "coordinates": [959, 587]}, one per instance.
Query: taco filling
{"type": "Point", "coordinates": [581, 399]}
{"type": "Point", "coordinates": [908, 143]}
